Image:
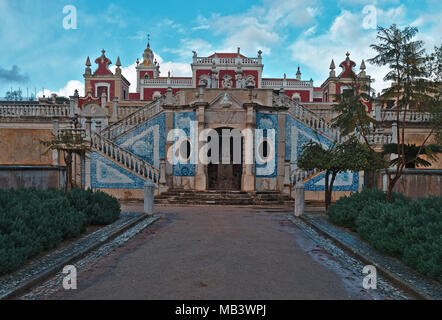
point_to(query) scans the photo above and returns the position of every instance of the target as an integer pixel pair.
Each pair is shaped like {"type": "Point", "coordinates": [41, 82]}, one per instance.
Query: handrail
{"type": "Point", "coordinates": [313, 121]}
{"type": "Point", "coordinates": [125, 158]}
{"type": "Point", "coordinates": [40, 110]}
{"type": "Point", "coordinates": [132, 120]}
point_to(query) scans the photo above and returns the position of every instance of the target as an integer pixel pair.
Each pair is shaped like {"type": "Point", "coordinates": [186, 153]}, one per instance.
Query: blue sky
{"type": "Point", "coordinates": [37, 52]}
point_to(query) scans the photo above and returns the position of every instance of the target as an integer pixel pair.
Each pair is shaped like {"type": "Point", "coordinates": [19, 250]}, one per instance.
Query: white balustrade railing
{"type": "Point", "coordinates": [166, 82]}
{"type": "Point", "coordinates": [234, 61]}
{"type": "Point", "coordinates": [313, 121]}
{"type": "Point", "coordinates": [300, 175]}
{"type": "Point", "coordinates": [408, 115]}
{"type": "Point", "coordinates": [288, 84]}
{"type": "Point", "coordinates": [124, 158]}
{"type": "Point", "coordinates": [134, 119]}
{"type": "Point", "coordinates": [34, 110]}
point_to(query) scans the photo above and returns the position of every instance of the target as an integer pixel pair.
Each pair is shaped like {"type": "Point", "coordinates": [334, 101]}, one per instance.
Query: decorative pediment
{"type": "Point", "coordinates": [93, 110]}
{"type": "Point", "coordinates": [226, 100]}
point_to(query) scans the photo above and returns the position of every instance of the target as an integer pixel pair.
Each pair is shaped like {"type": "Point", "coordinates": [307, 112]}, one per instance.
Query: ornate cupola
{"type": "Point", "coordinates": [362, 74]}
{"type": "Point", "coordinates": [148, 68]}
{"type": "Point", "coordinates": [298, 74]}
{"type": "Point", "coordinates": [103, 65]}
{"type": "Point", "coordinates": [147, 56]}
{"type": "Point", "coordinates": [347, 67]}
{"type": "Point", "coordinates": [332, 69]}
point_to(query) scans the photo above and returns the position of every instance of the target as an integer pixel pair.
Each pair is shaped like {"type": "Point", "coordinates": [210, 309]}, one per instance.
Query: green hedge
{"type": "Point", "coordinates": [406, 229]}
{"type": "Point", "coordinates": [32, 221]}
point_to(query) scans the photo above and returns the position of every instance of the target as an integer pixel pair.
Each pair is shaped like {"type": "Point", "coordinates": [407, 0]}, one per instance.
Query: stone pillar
{"type": "Point", "coordinates": [87, 170]}
{"type": "Point", "coordinates": [169, 96]}
{"type": "Point", "coordinates": [114, 117]}
{"type": "Point", "coordinates": [287, 182]}
{"type": "Point", "coordinates": [149, 189]}
{"type": "Point", "coordinates": [248, 174]}
{"type": "Point", "coordinates": [97, 126]}
{"type": "Point", "coordinates": [378, 112]}
{"type": "Point", "coordinates": [163, 183]}
{"type": "Point", "coordinates": [55, 153]}
{"type": "Point", "coordinates": [280, 145]}
{"type": "Point", "coordinates": [394, 132]}
{"type": "Point", "coordinates": [201, 169]}
{"type": "Point", "coordinates": [88, 127]}
{"type": "Point", "coordinates": [169, 166]}
{"type": "Point", "coordinates": [103, 100]}
{"type": "Point", "coordinates": [299, 199]}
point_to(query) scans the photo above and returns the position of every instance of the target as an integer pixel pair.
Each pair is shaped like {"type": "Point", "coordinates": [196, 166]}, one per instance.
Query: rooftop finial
{"type": "Point", "coordinates": [148, 40]}
{"type": "Point", "coordinates": [363, 65]}
{"type": "Point", "coordinates": [332, 65]}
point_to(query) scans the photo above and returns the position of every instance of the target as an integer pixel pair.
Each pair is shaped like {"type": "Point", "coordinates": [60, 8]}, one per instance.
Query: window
{"type": "Point", "coordinates": [146, 76]}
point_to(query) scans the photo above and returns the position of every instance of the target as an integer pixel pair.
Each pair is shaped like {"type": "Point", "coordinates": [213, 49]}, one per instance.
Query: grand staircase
{"type": "Point", "coordinates": [222, 198]}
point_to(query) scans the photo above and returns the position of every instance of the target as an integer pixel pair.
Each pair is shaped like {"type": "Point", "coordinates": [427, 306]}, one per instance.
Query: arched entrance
{"type": "Point", "coordinates": [227, 175]}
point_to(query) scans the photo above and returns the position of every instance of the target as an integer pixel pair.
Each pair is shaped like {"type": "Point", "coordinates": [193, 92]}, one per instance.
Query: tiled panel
{"type": "Point", "coordinates": [183, 121]}
{"type": "Point", "coordinates": [148, 141]}
{"type": "Point", "coordinates": [297, 134]}
{"type": "Point", "coordinates": [264, 123]}
{"type": "Point", "coordinates": [106, 174]}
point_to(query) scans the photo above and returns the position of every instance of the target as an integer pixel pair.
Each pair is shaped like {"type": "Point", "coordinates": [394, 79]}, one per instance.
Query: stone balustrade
{"type": "Point", "coordinates": [167, 82]}
{"type": "Point", "coordinates": [408, 116]}
{"type": "Point", "coordinates": [34, 110]}
{"type": "Point", "coordinates": [125, 158]}
{"type": "Point", "coordinates": [134, 119]}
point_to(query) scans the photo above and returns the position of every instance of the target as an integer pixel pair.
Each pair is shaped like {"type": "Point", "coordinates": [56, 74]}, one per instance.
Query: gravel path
{"type": "Point", "coordinates": [217, 253]}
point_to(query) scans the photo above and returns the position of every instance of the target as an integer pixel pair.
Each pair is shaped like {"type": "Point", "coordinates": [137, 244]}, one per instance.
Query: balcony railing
{"type": "Point", "coordinates": [232, 61]}
{"type": "Point", "coordinates": [277, 84]}
{"type": "Point", "coordinates": [39, 110]}
{"type": "Point", "coordinates": [166, 82]}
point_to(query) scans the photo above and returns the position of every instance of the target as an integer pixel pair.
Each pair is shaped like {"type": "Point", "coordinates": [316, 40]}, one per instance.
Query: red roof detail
{"type": "Point", "coordinates": [317, 89]}
{"type": "Point", "coordinates": [226, 55]}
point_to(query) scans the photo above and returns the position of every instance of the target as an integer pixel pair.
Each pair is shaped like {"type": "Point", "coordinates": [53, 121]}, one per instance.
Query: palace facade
{"type": "Point", "coordinates": [130, 132]}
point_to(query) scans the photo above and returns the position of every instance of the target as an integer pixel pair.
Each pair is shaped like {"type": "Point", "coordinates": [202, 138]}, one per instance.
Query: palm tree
{"type": "Point", "coordinates": [412, 154]}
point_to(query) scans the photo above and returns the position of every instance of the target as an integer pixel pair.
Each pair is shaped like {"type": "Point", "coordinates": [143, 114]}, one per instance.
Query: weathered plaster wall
{"type": "Point", "coordinates": [22, 146]}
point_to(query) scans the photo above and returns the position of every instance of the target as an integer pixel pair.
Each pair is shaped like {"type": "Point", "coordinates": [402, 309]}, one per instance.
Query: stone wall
{"type": "Point", "coordinates": [418, 183]}
{"type": "Point", "coordinates": [39, 177]}
{"type": "Point", "coordinates": [22, 146]}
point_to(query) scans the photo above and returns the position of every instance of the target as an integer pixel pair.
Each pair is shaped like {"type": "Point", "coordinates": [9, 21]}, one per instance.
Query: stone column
{"type": "Point", "coordinates": [287, 182]}
{"type": "Point", "coordinates": [88, 127]}
{"type": "Point", "coordinates": [248, 173]}
{"type": "Point", "coordinates": [280, 161]}
{"type": "Point", "coordinates": [299, 199]}
{"type": "Point", "coordinates": [169, 166]}
{"type": "Point", "coordinates": [103, 100]}
{"type": "Point", "coordinates": [55, 153]}
{"type": "Point", "coordinates": [201, 169]}
{"type": "Point", "coordinates": [97, 126]}
{"type": "Point", "coordinates": [162, 183]}
{"type": "Point", "coordinates": [114, 117]}
{"type": "Point", "coordinates": [149, 189]}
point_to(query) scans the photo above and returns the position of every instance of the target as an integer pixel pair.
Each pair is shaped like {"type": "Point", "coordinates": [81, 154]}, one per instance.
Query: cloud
{"type": "Point", "coordinates": [66, 91]}
{"type": "Point", "coordinates": [345, 34]}
{"type": "Point", "coordinates": [13, 75]}
{"type": "Point", "coordinates": [260, 27]}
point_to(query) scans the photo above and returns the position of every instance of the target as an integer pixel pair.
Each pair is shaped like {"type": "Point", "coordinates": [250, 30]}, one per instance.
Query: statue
{"type": "Point", "coordinates": [227, 82]}
{"type": "Point", "coordinates": [250, 81]}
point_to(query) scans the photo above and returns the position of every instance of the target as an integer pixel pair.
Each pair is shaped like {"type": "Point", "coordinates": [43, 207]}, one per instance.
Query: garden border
{"type": "Point", "coordinates": [20, 286]}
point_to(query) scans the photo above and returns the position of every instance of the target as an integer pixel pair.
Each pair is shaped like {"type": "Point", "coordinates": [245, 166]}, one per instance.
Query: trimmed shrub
{"type": "Point", "coordinates": [408, 230]}
{"type": "Point", "coordinates": [99, 207]}
{"type": "Point", "coordinates": [32, 221]}
{"type": "Point", "coordinates": [345, 211]}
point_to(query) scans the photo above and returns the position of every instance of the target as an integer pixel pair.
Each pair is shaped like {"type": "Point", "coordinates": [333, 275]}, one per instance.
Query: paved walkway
{"type": "Point", "coordinates": [217, 253]}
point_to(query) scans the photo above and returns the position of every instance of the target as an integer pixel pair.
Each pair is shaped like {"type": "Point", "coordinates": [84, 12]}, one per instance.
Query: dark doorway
{"type": "Point", "coordinates": [225, 176]}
